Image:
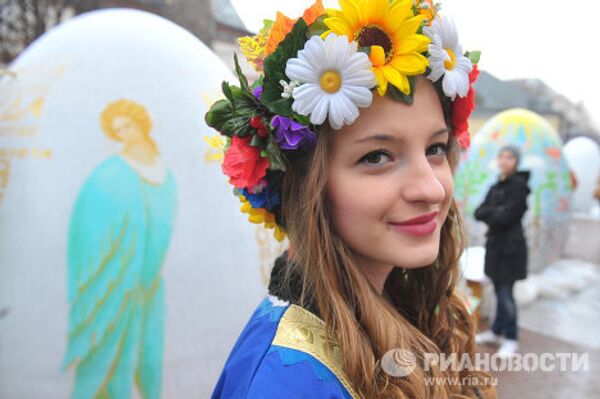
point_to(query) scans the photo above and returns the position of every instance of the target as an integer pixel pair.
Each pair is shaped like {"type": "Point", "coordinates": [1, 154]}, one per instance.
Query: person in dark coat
{"type": "Point", "coordinates": [506, 247]}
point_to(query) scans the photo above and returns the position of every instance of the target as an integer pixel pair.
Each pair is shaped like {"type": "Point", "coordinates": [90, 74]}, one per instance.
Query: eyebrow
{"type": "Point", "coordinates": [388, 137]}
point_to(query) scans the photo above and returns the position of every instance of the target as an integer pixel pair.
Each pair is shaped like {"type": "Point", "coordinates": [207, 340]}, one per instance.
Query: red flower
{"type": "Point", "coordinates": [257, 123]}
{"type": "Point", "coordinates": [243, 164]}
{"type": "Point", "coordinates": [461, 110]}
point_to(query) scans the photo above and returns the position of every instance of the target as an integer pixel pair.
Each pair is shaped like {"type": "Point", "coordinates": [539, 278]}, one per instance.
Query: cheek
{"type": "Point", "coordinates": [356, 201]}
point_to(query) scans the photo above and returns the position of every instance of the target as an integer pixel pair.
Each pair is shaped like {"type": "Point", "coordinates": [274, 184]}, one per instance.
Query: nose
{"type": "Point", "coordinates": [422, 184]}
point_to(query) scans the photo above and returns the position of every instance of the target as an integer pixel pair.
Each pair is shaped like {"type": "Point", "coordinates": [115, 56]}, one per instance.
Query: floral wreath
{"type": "Point", "coordinates": [320, 69]}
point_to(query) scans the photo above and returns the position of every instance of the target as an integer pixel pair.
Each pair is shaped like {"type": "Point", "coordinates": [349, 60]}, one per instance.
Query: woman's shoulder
{"type": "Point", "coordinates": [275, 355]}
{"type": "Point", "coordinates": [293, 373]}
{"type": "Point", "coordinates": [250, 349]}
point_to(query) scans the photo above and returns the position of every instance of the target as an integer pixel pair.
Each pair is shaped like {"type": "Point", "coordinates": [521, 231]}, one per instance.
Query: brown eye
{"type": "Point", "coordinates": [375, 157]}
{"type": "Point", "coordinates": [438, 149]}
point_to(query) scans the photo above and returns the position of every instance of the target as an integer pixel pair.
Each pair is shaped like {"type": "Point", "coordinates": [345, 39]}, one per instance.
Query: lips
{"type": "Point", "coordinates": [428, 217]}
{"type": "Point", "coordinates": [420, 226]}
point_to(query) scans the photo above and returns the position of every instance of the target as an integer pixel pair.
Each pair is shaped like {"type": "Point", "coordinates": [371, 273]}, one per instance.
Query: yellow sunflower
{"type": "Point", "coordinates": [389, 29]}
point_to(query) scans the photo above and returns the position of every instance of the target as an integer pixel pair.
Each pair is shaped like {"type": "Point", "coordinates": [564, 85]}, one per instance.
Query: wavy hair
{"type": "Point", "coordinates": [419, 310]}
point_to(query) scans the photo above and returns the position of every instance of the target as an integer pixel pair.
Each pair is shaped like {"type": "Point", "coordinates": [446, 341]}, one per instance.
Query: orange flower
{"type": "Point", "coordinates": [427, 9]}
{"type": "Point", "coordinates": [313, 13]}
{"type": "Point", "coordinates": [284, 25]}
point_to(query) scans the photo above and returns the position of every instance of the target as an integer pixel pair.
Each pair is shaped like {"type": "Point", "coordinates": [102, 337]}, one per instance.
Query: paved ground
{"type": "Point", "coordinates": [557, 325]}
{"type": "Point", "coordinates": [573, 317]}
{"type": "Point", "coordinates": [567, 323]}
{"type": "Point", "coordinates": [582, 241]}
{"type": "Point", "coordinates": [549, 385]}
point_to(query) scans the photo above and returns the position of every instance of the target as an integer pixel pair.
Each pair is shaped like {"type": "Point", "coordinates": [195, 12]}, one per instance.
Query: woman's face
{"type": "Point", "coordinates": [387, 168]}
{"type": "Point", "coordinates": [126, 129]}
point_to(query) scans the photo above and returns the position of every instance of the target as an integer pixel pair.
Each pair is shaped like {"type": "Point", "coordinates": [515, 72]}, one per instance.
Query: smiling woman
{"type": "Point", "coordinates": [390, 193]}
{"type": "Point", "coordinates": [356, 169]}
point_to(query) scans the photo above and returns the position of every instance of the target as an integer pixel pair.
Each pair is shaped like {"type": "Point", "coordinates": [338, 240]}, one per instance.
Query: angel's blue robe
{"type": "Point", "coordinates": [118, 236]}
{"type": "Point", "coordinates": [281, 353]}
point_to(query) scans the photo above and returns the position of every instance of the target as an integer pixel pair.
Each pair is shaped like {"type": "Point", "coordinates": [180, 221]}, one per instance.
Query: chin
{"type": "Point", "coordinates": [417, 256]}
{"type": "Point", "coordinates": [416, 263]}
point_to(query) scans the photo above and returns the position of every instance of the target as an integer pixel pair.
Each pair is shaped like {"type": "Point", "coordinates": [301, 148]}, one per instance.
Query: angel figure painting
{"type": "Point", "coordinates": [118, 237]}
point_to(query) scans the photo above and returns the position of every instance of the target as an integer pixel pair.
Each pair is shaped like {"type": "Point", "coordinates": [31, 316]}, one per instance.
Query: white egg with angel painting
{"type": "Point", "coordinates": [126, 269]}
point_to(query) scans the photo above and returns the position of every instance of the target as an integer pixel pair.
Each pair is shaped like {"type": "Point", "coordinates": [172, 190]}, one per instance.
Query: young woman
{"type": "Point", "coordinates": [506, 248]}
{"type": "Point", "coordinates": [348, 147]}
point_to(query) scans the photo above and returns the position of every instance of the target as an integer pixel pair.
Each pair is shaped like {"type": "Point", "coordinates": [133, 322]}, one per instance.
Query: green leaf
{"type": "Point", "coordinates": [258, 82]}
{"type": "Point", "coordinates": [240, 74]}
{"type": "Point", "coordinates": [267, 24]}
{"type": "Point", "coordinates": [227, 91]}
{"type": "Point", "coordinates": [218, 114]}
{"type": "Point", "coordinates": [397, 95]}
{"type": "Point", "coordinates": [318, 27]}
{"type": "Point", "coordinates": [275, 70]}
{"type": "Point", "coordinates": [474, 56]}
{"type": "Point", "coordinates": [231, 116]}
{"type": "Point", "coordinates": [274, 155]}
{"type": "Point", "coordinates": [305, 120]}
{"type": "Point", "coordinates": [282, 106]}
{"type": "Point", "coordinates": [255, 141]}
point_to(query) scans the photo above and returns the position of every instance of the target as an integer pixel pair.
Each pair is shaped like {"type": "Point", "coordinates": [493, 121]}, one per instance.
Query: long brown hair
{"type": "Point", "coordinates": [418, 311]}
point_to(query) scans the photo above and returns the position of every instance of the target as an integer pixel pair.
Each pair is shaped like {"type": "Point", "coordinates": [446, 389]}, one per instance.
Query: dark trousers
{"type": "Point", "coordinates": [505, 322]}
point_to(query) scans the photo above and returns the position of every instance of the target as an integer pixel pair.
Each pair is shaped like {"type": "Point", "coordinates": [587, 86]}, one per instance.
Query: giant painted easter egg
{"type": "Point", "coordinates": [126, 268]}
{"type": "Point", "coordinates": [541, 153]}
{"type": "Point", "coordinates": [583, 156]}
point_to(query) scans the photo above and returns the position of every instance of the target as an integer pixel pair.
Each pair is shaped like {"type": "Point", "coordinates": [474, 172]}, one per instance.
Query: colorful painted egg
{"type": "Point", "coordinates": [583, 156]}
{"type": "Point", "coordinates": [550, 181]}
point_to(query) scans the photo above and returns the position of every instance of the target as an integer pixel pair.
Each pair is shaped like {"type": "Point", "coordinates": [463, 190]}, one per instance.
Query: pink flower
{"type": "Point", "coordinates": [461, 111]}
{"type": "Point", "coordinates": [243, 164]}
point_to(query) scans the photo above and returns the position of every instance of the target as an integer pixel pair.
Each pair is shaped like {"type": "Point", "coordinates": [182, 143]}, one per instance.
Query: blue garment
{"type": "Point", "coordinates": [118, 237]}
{"type": "Point", "coordinates": [256, 368]}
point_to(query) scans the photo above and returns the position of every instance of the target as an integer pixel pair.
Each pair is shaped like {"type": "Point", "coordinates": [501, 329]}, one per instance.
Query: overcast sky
{"type": "Point", "coordinates": [556, 41]}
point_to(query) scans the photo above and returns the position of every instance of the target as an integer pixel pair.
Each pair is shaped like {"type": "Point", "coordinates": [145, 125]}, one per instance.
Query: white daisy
{"type": "Point", "coordinates": [335, 80]}
{"type": "Point", "coordinates": [446, 58]}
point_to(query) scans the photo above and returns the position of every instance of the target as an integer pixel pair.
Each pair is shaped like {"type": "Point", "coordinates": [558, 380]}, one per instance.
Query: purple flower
{"type": "Point", "coordinates": [257, 92]}
{"type": "Point", "coordinates": [291, 135]}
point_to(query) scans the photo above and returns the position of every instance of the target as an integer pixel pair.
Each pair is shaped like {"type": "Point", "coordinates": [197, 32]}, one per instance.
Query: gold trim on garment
{"type": "Point", "coordinates": [301, 330]}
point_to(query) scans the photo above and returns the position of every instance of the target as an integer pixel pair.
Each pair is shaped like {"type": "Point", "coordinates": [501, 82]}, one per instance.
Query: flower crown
{"type": "Point", "coordinates": [320, 69]}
